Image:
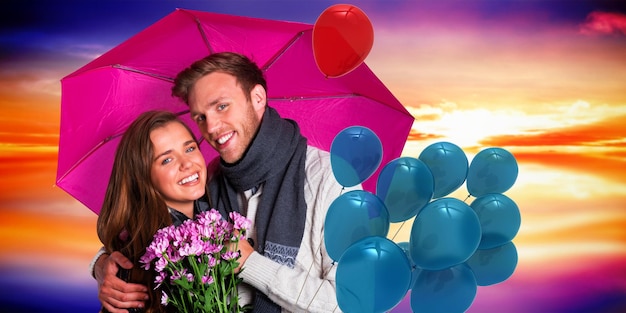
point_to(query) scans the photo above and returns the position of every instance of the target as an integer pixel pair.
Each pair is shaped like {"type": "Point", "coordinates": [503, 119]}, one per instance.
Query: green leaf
{"type": "Point", "coordinates": [183, 282]}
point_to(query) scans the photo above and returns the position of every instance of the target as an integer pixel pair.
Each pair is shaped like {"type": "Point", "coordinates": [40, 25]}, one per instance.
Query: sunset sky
{"type": "Point", "coordinates": [544, 79]}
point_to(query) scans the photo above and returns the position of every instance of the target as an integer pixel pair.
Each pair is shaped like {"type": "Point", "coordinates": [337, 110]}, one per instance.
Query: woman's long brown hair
{"type": "Point", "coordinates": [133, 210]}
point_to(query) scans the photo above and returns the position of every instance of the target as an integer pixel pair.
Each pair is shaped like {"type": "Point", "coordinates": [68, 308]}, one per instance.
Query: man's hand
{"type": "Point", "coordinates": [245, 249]}
{"type": "Point", "coordinates": [115, 294]}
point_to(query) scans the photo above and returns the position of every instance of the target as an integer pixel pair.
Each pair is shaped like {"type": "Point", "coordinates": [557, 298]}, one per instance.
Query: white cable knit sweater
{"type": "Point", "coordinates": [310, 285]}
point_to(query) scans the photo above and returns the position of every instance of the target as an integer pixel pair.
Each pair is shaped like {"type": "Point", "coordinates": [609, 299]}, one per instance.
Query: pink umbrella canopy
{"type": "Point", "coordinates": [100, 100]}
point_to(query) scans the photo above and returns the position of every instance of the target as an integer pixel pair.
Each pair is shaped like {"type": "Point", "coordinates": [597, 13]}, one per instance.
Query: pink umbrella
{"type": "Point", "coordinates": [102, 98]}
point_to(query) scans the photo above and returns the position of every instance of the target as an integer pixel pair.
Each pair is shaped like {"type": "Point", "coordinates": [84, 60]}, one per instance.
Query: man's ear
{"type": "Point", "coordinates": [259, 99]}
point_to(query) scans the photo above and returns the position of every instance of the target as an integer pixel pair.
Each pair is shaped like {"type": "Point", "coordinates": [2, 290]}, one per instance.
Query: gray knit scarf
{"type": "Point", "coordinates": [276, 159]}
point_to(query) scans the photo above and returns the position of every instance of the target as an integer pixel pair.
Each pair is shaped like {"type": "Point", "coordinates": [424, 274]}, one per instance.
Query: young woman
{"type": "Point", "coordinates": [157, 178]}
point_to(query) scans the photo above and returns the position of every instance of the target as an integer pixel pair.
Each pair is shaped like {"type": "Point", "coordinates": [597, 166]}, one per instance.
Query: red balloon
{"type": "Point", "coordinates": [342, 37]}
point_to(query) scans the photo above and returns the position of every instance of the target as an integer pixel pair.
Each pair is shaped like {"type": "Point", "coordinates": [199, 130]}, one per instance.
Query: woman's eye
{"type": "Point", "coordinates": [190, 149]}
{"type": "Point", "coordinates": [166, 161]}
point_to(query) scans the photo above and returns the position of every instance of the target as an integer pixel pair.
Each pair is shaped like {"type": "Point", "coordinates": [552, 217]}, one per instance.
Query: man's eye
{"type": "Point", "coordinates": [200, 118]}
{"type": "Point", "coordinates": [221, 107]}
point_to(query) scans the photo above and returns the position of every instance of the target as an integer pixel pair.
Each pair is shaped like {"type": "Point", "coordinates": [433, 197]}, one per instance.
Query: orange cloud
{"type": "Point", "coordinates": [49, 232]}
{"type": "Point", "coordinates": [417, 136]}
{"type": "Point", "coordinates": [606, 166]}
{"type": "Point", "coordinates": [28, 119]}
{"type": "Point", "coordinates": [28, 173]}
{"type": "Point", "coordinates": [597, 148]}
{"type": "Point", "coordinates": [32, 140]}
{"type": "Point", "coordinates": [609, 132]}
{"type": "Point", "coordinates": [604, 23]}
{"type": "Point", "coordinates": [608, 230]}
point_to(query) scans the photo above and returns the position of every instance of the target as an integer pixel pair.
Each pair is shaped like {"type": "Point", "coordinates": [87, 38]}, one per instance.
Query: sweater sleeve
{"type": "Point", "coordinates": [295, 290]}
{"type": "Point", "coordinates": [310, 285]}
{"type": "Point", "coordinates": [92, 264]}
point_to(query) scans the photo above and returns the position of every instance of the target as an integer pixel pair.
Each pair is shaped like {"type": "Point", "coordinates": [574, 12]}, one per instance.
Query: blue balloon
{"type": "Point", "coordinates": [355, 154]}
{"type": "Point", "coordinates": [445, 291]}
{"type": "Point", "coordinates": [493, 170]}
{"type": "Point", "coordinates": [448, 164]}
{"type": "Point", "coordinates": [373, 275]}
{"type": "Point", "coordinates": [445, 233]}
{"type": "Point", "coordinates": [495, 265]}
{"type": "Point", "coordinates": [405, 246]}
{"type": "Point", "coordinates": [352, 216]}
{"type": "Point", "coordinates": [405, 185]}
{"type": "Point", "coordinates": [499, 219]}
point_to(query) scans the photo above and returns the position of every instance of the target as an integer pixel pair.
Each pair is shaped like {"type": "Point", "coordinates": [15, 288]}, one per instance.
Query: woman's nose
{"type": "Point", "coordinates": [185, 162]}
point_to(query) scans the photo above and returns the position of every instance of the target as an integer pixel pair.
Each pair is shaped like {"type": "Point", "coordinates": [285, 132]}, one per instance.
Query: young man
{"type": "Point", "coordinates": [267, 172]}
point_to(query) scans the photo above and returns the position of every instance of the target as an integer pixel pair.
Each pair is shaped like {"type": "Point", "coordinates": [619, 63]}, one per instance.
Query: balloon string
{"type": "Point", "coordinates": [397, 231]}
{"type": "Point", "coordinates": [309, 272]}
{"type": "Point", "coordinates": [467, 198]}
{"type": "Point", "coordinates": [311, 266]}
{"type": "Point", "coordinates": [318, 289]}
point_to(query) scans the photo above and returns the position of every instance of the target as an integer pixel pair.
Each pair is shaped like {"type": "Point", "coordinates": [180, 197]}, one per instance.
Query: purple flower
{"type": "Point", "coordinates": [193, 247]}
{"type": "Point", "coordinates": [212, 248]}
{"type": "Point", "coordinates": [209, 217]}
{"type": "Point", "coordinates": [164, 298]}
{"type": "Point", "coordinates": [206, 231]}
{"type": "Point", "coordinates": [207, 280]}
{"type": "Point", "coordinates": [230, 255]}
{"type": "Point", "coordinates": [197, 248]}
{"type": "Point", "coordinates": [175, 275]}
{"type": "Point", "coordinates": [160, 264]}
{"type": "Point", "coordinates": [159, 279]}
{"type": "Point", "coordinates": [173, 255]}
{"type": "Point", "coordinates": [239, 221]}
{"type": "Point", "coordinates": [211, 261]}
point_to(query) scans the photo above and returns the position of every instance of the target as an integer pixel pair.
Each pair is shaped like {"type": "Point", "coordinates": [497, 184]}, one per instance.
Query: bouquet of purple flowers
{"type": "Point", "coordinates": [195, 262]}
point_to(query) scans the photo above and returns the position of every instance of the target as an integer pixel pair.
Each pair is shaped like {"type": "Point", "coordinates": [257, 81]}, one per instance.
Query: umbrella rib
{"type": "Point", "coordinates": [204, 36]}
{"type": "Point", "coordinates": [103, 142]}
{"type": "Point", "coordinates": [295, 98]}
{"type": "Point", "coordinates": [134, 70]}
{"type": "Point", "coordinates": [348, 95]}
{"type": "Point", "coordinates": [281, 51]}
{"type": "Point", "coordinates": [89, 153]}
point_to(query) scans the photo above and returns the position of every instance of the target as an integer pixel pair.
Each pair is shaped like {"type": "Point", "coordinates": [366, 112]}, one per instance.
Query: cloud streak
{"type": "Point", "coordinates": [604, 23]}
{"type": "Point", "coordinates": [609, 132]}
